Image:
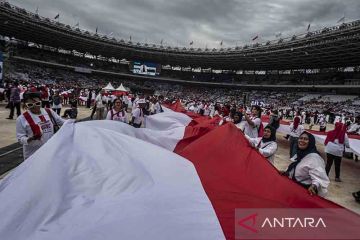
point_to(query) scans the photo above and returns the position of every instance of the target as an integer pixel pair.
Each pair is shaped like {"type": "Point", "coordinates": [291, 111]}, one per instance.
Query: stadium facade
{"type": "Point", "coordinates": [332, 49]}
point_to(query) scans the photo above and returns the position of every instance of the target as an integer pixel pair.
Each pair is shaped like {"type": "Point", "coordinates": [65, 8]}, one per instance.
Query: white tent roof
{"type": "Point", "coordinates": [109, 87]}
{"type": "Point", "coordinates": [122, 88]}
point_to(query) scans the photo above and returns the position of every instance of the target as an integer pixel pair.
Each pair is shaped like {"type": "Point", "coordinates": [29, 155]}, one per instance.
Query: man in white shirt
{"type": "Point", "coordinates": [125, 100]}
{"type": "Point", "coordinates": [253, 122]}
{"type": "Point", "coordinates": [138, 114]}
{"type": "Point", "coordinates": [100, 103]}
{"type": "Point", "coordinates": [36, 125]}
{"type": "Point", "coordinates": [157, 105]}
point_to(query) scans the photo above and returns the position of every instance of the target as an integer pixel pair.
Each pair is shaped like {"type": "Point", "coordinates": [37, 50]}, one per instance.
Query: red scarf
{"type": "Point", "coordinates": [296, 122]}
{"type": "Point", "coordinates": [35, 128]}
{"type": "Point", "coordinates": [337, 133]}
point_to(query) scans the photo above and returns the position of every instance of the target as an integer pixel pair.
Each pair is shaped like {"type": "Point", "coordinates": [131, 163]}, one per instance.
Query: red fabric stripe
{"type": "Point", "coordinates": [34, 127]}
{"type": "Point", "coordinates": [42, 118]}
{"type": "Point", "coordinates": [234, 175]}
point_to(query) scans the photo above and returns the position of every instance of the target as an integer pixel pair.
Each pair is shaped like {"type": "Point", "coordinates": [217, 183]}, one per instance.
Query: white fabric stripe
{"type": "Point", "coordinates": [167, 120]}
{"type": "Point", "coordinates": [98, 182]}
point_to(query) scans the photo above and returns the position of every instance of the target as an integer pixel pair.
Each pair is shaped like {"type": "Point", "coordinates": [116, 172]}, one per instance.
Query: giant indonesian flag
{"type": "Point", "coordinates": [181, 177]}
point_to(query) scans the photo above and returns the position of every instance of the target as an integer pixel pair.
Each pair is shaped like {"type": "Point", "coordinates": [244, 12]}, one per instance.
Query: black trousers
{"type": "Point", "coordinates": [14, 105]}
{"type": "Point", "coordinates": [45, 104]}
{"type": "Point", "coordinates": [330, 159]}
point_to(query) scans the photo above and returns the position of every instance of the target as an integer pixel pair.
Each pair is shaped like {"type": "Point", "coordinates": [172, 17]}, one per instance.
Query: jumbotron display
{"type": "Point", "coordinates": [145, 68]}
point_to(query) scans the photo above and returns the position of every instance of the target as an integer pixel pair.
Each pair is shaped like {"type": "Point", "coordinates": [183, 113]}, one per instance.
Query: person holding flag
{"type": "Point", "coordinates": [308, 169]}
{"type": "Point", "coordinates": [266, 145]}
{"type": "Point", "coordinates": [36, 125]}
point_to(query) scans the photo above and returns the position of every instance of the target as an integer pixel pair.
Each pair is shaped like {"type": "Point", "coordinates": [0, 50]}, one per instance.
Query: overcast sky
{"type": "Point", "coordinates": [206, 22]}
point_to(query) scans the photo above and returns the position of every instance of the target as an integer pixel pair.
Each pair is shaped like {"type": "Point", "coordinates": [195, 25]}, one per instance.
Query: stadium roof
{"type": "Point", "coordinates": [334, 47]}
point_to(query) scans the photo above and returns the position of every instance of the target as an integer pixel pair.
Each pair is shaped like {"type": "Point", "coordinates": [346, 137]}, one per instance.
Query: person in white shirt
{"type": "Point", "coordinates": [157, 105]}
{"type": "Point", "coordinates": [266, 145]}
{"type": "Point", "coordinates": [100, 103]}
{"type": "Point", "coordinates": [56, 101]}
{"type": "Point", "coordinates": [308, 169]}
{"type": "Point", "coordinates": [117, 113]}
{"type": "Point", "coordinates": [295, 130]}
{"type": "Point", "coordinates": [125, 100]}
{"type": "Point", "coordinates": [35, 126]}
{"type": "Point", "coordinates": [335, 143]}
{"type": "Point", "coordinates": [253, 122]}
{"type": "Point", "coordinates": [138, 114]}
{"type": "Point", "coordinates": [355, 127]}
{"type": "Point", "coordinates": [322, 123]}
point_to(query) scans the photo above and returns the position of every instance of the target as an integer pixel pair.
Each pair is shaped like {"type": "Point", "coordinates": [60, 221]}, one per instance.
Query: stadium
{"type": "Point", "coordinates": [211, 106]}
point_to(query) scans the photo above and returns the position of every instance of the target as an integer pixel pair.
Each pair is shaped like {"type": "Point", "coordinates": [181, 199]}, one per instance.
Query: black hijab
{"type": "Point", "coordinates": [302, 153]}
{"type": "Point", "coordinates": [272, 136]}
{"type": "Point", "coordinates": [240, 117]}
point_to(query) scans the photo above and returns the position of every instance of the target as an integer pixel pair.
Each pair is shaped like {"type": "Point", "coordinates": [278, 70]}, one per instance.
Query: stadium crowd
{"type": "Point", "coordinates": [46, 91]}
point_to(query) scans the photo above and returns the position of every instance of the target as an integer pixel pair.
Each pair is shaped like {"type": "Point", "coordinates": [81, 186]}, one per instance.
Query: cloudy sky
{"type": "Point", "coordinates": [206, 22]}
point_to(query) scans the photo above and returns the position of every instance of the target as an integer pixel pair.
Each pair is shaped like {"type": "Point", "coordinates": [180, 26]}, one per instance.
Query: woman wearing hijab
{"type": "Point", "coordinates": [335, 143]}
{"type": "Point", "coordinates": [266, 145]}
{"type": "Point", "coordinates": [36, 125]}
{"type": "Point", "coordinates": [118, 112]}
{"type": "Point", "coordinates": [308, 170]}
{"type": "Point", "coordinates": [295, 130]}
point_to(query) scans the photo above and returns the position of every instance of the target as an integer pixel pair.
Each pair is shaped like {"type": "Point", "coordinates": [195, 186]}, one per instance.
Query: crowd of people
{"type": "Point", "coordinates": [45, 93]}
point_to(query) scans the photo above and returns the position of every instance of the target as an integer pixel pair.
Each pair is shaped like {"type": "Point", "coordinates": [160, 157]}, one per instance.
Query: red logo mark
{"type": "Point", "coordinates": [246, 226]}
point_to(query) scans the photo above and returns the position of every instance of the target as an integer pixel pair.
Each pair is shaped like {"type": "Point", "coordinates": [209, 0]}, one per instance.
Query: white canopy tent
{"type": "Point", "coordinates": [122, 88]}
{"type": "Point", "coordinates": [109, 87]}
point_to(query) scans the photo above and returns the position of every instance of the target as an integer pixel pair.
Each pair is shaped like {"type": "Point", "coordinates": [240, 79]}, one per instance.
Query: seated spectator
{"type": "Point", "coordinates": [72, 112]}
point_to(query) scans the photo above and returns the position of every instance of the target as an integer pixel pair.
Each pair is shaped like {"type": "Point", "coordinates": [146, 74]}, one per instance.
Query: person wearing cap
{"type": "Point", "coordinates": [36, 125]}
{"type": "Point", "coordinates": [138, 114]}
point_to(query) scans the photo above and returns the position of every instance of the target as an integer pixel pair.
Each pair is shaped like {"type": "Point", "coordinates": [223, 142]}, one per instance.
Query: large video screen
{"type": "Point", "coordinates": [145, 68]}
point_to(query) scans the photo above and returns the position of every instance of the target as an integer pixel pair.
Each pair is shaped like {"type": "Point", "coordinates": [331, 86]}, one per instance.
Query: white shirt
{"type": "Point", "coordinates": [335, 148]}
{"type": "Point", "coordinates": [125, 99]}
{"type": "Point", "coordinates": [99, 101]}
{"type": "Point", "coordinates": [268, 149]}
{"type": "Point", "coordinates": [252, 132]}
{"type": "Point", "coordinates": [296, 132]}
{"type": "Point", "coordinates": [139, 115]}
{"type": "Point", "coordinates": [117, 116]}
{"type": "Point", "coordinates": [24, 132]}
{"type": "Point", "coordinates": [311, 170]}
{"type": "Point", "coordinates": [157, 108]}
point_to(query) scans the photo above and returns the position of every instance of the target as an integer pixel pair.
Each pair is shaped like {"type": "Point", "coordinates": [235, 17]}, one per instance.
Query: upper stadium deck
{"type": "Point", "coordinates": [334, 47]}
